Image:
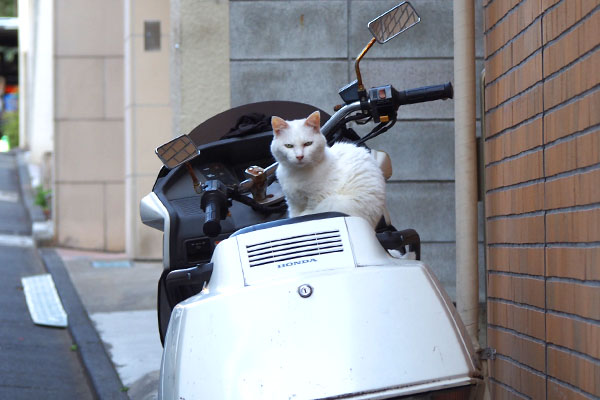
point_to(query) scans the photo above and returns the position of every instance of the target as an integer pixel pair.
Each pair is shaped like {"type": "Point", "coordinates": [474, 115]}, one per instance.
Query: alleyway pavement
{"type": "Point", "coordinates": [35, 362]}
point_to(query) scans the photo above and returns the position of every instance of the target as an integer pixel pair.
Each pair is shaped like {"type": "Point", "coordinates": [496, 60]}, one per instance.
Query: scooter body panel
{"type": "Point", "coordinates": [315, 329]}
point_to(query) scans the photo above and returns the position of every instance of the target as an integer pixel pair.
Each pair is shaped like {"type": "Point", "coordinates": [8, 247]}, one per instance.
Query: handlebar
{"type": "Point", "coordinates": [212, 224]}
{"type": "Point", "coordinates": [214, 203]}
{"type": "Point", "coordinates": [423, 94]}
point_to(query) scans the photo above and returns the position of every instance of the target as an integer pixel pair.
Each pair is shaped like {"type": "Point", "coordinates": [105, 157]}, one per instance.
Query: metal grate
{"type": "Point", "coordinates": [43, 302]}
{"type": "Point", "coordinates": [281, 250]}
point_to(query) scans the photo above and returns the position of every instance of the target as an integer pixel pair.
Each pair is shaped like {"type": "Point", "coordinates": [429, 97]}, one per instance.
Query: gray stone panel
{"type": "Point", "coordinates": [422, 150]}
{"type": "Point", "coordinates": [283, 30]}
{"type": "Point", "coordinates": [430, 38]}
{"type": "Point", "coordinates": [441, 258]}
{"type": "Point", "coordinates": [427, 207]}
{"type": "Point", "coordinates": [312, 82]}
{"type": "Point", "coordinates": [409, 74]}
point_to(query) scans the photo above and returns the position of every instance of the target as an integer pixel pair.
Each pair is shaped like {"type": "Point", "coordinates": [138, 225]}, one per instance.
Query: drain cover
{"type": "Point", "coordinates": [112, 264]}
{"type": "Point", "coordinates": [43, 302]}
{"type": "Point", "coordinates": [12, 197]}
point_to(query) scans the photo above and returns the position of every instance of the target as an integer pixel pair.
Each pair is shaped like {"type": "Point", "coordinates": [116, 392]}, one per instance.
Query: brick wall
{"type": "Point", "coordinates": [542, 182]}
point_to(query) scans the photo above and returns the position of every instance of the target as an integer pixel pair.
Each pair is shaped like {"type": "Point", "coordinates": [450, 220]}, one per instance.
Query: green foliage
{"type": "Point", "coordinates": [73, 347]}
{"type": "Point", "coordinates": [8, 8]}
{"type": "Point", "coordinates": [10, 127]}
{"type": "Point", "coordinates": [42, 196]}
{"type": "Point", "coordinates": [124, 388]}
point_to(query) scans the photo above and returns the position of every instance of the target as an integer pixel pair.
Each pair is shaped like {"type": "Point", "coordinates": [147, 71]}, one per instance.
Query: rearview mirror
{"type": "Point", "coordinates": [177, 151]}
{"type": "Point", "coordinates": [394, 22]}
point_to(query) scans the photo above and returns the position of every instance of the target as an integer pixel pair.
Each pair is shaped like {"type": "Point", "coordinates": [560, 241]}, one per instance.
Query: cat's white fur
{"type": "Point", "coordinates": [317, 178]}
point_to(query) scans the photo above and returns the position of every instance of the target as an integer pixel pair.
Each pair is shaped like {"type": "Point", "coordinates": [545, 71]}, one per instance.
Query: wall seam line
{"type": "Point", "coordinates": [544, 209]}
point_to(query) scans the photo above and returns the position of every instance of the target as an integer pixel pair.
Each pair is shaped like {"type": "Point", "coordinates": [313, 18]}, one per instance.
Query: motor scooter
{"type": "Point", "coordinates": [255, 305]}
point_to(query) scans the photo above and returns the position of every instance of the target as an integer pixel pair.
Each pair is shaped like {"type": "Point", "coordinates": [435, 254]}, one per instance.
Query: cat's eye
{"type": "Point", "coordinates": [307, 144]}
{"type": "Point", "coordinates": [289, 146]}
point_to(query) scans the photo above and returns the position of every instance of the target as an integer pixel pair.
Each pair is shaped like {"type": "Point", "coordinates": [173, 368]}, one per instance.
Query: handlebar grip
{"type": "Point", "coordinates": [212, 224]}
{"type": "Point", "coordinates": [426, 93]}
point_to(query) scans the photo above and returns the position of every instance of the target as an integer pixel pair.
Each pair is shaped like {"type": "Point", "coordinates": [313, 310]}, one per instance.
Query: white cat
{"type": "Point", "coordinates": [317, 178]}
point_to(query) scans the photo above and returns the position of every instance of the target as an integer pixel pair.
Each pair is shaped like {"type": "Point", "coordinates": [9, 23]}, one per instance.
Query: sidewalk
{"type": "Point", "coordinates": [120, 300]}
{"type": "Point", "coordinates": [111, 307]}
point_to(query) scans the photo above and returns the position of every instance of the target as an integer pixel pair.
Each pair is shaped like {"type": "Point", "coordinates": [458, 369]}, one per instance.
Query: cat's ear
{"type": "Point", "coordinates": [314, 121]}
{"type": "Point", "coordinates": [278, 125]}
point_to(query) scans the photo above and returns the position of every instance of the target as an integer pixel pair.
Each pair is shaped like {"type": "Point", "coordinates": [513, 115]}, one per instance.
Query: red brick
{"type": "Point", "coordinates": [558, 391]}
{"type": "Point", "coordinates": [518, 289]}
{"type": "Point", "coordinates": [520, 260]}
{"type": "Point", "coordinates": [519, 378]}
{"type": "Point", "coordinates": [515, 82]}
{"type": "Point", "coordinates": [496, 10]}
{"type": "Point", "coordinates": [573, 227]}
{"type": "Point", "coordinates": [573, 45]}
{"type": "Point", "coordinates": [524, 320]}
{"type": "Point", "coordinates": [499, 392]}
{"type": "Point", "coordinates": [525, 106]}
{"type": "Point", "coordinates": [515, 201]}
{"type": "Point", "coordinates": [573, 369]}
{"type": "Point", "coordinates": [517, 170]}
{"type": "Point", "coordinates": [523, 350]}
{"type": "Point", "coordinates": [564, 16]}
{"type": "Point", "coordinates": [574, 117]}
{"type": "Point", "coordinates": [573, 298]}
{"type": "Point", "coordinates": [581, 263]}
{"type": "Point", "coordinates": [522, 16]}
{"type": "Point", "coordinates": [523, 138]}
{"type": "Point", "coordinates": [573, 334]}
{"type": "Point", "coordinates": [514, 52]}
{"type": "Point", "coordinates": [575, 190]}
{"type": "Point", "coordinates": [516, 230]}
{"type": "Point", "coordinates": [575, 80]}
{"type": "Point", "coordinates": [582, 151]}
{"type": "Point", "coordinates": [548, 3]}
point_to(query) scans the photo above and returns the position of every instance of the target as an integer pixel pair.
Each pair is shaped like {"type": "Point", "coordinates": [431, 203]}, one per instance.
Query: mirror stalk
{"type": "Point", "coordinates": [356, 67]}
{"type": "Point", "coordinates": [197, 186]}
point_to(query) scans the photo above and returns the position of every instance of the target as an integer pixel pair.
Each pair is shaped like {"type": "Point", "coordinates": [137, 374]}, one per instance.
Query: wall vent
{"type": "Point", "coordinates": [293, 247]}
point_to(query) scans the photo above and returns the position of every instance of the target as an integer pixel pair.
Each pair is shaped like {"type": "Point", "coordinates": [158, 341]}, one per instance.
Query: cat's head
{"type": "Point", "coordinates": [298, 143]}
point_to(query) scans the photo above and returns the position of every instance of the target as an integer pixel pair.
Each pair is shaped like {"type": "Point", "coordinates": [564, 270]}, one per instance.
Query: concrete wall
{"type": "Point", "coordinates": [89, 153]}
{"type": "Point", "coordinates": [542, 155]}
{"type": "Point", "coordinates": [305, 50]}
{"type": "Point", "coordinates": [199, 61]}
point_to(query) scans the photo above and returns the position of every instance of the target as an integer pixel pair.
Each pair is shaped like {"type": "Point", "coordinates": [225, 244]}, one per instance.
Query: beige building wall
{"type": "Point", "coordinates": [88, 179]}
{"type": "Point", "coordinates": [113, 107]}
{"type": "Point", "coordinates": [148, 120]}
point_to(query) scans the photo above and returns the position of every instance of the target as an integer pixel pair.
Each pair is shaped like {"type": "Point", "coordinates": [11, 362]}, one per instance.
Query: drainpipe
{"type": "Point", "coordinates": [465, 166]}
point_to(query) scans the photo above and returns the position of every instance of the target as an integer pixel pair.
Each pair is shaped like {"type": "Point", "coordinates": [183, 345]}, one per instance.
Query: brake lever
{"type": "Point", "coordinates": [257, 181]}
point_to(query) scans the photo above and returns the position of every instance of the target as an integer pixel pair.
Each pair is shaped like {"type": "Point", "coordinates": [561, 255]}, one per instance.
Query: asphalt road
{"type": "Point", "coordinates": [35, 362]}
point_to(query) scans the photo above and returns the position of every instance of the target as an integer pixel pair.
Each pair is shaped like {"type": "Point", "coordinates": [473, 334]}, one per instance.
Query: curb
{"type": "Point", "coordinates": [102, 376]}
{"type": "Point", "coordinates": [101, 373]}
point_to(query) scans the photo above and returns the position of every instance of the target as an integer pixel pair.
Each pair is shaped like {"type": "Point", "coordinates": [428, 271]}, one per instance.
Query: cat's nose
{"type": "Point", "coordinates": [299, 158]}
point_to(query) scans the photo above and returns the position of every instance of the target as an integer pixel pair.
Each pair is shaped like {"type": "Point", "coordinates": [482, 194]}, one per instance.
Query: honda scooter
{"type": "Point", "coordinates": [255, 305]}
